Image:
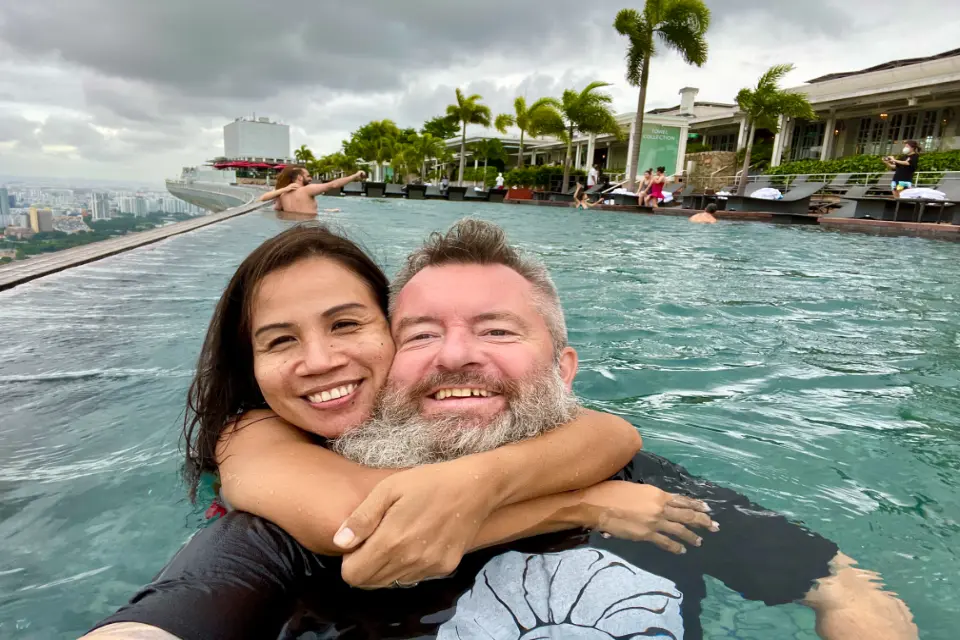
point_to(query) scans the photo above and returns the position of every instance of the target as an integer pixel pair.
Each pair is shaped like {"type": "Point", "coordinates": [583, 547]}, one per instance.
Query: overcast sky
{"type": "Point", "coordinates": [135, 90]}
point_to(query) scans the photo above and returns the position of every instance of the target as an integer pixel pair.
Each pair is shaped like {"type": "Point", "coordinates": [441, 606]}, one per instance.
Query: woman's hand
{"type": "Point", "coordinates": [293, 186]}
{"type": "Point", "coordinates": [644, 512]}
{"type": "Point", "coordinates": [414, 525]}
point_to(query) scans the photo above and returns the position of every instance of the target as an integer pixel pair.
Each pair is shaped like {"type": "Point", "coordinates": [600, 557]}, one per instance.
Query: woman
{"type": "Point", "coordinates": [308, 301]}
{"type": "Point", "coordinates": [581, 199]}
{"type": "Point", "coordinates": [644, 186]}
{"type": "Point", "coordinates": [655, 196]}
{"type": "Point", "coordinates": [904, 168]}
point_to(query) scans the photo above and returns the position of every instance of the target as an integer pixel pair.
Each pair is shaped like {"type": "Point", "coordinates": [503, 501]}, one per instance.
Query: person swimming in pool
{"type": "Point", "coordinates": [469, 314]}
{"type": "Point", "coordinates": [581, 200]}
{"type": "Point", "coordinates": [295, 192]}
{"type": "Point", "coordinates": [706, 216]}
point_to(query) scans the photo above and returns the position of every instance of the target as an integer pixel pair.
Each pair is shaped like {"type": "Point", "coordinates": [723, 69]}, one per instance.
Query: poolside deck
{"type": "Point", "coordinates": [21, 271]}
{"type": "Point", "coordinates": [884, 227]}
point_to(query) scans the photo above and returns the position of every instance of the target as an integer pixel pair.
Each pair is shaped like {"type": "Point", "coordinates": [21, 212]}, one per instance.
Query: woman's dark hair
{"type": "Point", "coordinates": [913, 143]}
{"type": "Point", "coordinates": [661, 169]}
{"type": "Point", "coordinates": [648, 171]}
{"type": "Point", "coordinates": [224, 386]}
{"type": "Point", "coordinates": [288, 175]}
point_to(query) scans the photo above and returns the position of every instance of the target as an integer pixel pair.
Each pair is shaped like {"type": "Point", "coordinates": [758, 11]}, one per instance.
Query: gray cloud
{"type": "Point", "coordinates": [142, 87]}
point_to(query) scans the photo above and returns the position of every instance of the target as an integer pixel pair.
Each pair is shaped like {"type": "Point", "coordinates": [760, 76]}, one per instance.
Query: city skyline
{"type": "Point", "coordinates": [111, 89]}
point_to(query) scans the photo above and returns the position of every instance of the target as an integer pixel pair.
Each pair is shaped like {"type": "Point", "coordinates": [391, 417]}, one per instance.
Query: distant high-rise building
{"type": "Point", "coordinates": [5, 217]}
{"type": "Point", "coordinates": [140, 206]}
{"type": "Point", "coordinates": [41, 220]}
{"type": "Point", "coordinates": [100, 206]}
{"type": "Point", "coordinates": [259, 140]}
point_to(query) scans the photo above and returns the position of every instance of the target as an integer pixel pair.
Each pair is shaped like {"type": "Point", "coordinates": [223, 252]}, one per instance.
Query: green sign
{"type": "Point", "coordinates": [658, 148]}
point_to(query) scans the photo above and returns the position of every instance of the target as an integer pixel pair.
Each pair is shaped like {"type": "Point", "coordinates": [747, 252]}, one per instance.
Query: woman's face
{"type": "Point", "coordinates": [321, 346]}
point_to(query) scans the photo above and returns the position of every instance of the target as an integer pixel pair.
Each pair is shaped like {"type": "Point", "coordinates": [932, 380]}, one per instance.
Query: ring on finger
{"type": "Point", "coordinates": [404, 585]}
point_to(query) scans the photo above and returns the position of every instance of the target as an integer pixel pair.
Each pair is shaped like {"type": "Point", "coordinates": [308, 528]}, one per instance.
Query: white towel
{"type": "Point", "coordinates": [767, 193]}
{"type": "Point", "coordinates": [922, 193]}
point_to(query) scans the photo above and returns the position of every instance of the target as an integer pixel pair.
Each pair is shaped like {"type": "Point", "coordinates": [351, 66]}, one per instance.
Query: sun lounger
{"type": "Point", "coordinates": [416, 191]}
{"type": "Point", "coordinates": [915, 209]}
{"type": "Point", "coordinates": [839, 183]}
{"type": "Point", "coordinates": [395, 191]}
{"type": "Point", "coordinates": [456, 194]}
{"type": "Point", "coordinates": [497, 195]}
{"type": "Point", "coordinates": [434, 193]}
{"type": "Point", "coordinates": [566, 196]}
{"type": "Point", "coordinates": [795, 201]}
{"type": "Point", "coordinates": [374, 189]}
{"type": "Point", "coordinates": [473, 194]}
{"type": "Point", "coordinates": [353, 189]}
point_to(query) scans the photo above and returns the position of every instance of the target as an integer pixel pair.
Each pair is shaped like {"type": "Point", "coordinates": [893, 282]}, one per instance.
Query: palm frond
{"type": "Point", "coordinates": [689, 43]}
{"type": "Point", "coordinates": [503, 121]}
{"type": "Point", "coordinates": [626, 22]}
{"type": "Point", "coordinates": [772, 76]}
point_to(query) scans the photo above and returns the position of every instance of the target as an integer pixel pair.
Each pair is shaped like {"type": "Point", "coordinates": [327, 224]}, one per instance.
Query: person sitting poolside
{"type": "Point", "coordinates": [705, 216]}
{"type": "Point", "coordinates": [295, 191]}
{"type": "Point", "coordinates": [470, 313]}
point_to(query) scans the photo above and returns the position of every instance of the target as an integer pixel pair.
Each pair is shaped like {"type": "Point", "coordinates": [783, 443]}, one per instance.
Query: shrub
{"type": "Point", "coordinates": [698, 147]}
{"type": "Point", "coordinates": [929, 162]}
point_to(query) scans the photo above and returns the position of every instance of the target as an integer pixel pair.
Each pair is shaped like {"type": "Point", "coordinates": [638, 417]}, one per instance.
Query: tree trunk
{"type": "Point", "coordinates": [485, 173]}
{"type": "Point", "coordinates": [520, 156]}
{"type": "Point", "coordinates": [636, 140]}
{"type": "Point", "coordinates": [463, 154]}
{"type": "Point", "coordinates": [745, 173]}
{"type": "Point", "coordinates": [566, 161]}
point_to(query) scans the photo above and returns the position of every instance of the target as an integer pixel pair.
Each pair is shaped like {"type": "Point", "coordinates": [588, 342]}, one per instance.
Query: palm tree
{"type": "Point", "coordinates": [588, 112]}
{"type": "Point", "coordinates": [763, 106]}
{"type": "Point", "coordinates": [677, 24]}
{"type": "Point", "coordinates": [303, 155]}
{"type": "Point", "coordinates": [468, 110]}
{"type": "Point", "coordinates": [421, 147]}
{"type": "Point", "coordinates": [374, 142]}
{"type": "Point", "coordinates": [528, 119]}
{"type": "Point", "coordinates": [489, 149]}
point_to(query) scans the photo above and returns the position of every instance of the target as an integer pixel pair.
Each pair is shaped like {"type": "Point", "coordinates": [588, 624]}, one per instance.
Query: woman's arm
{"type": "Point", "coordinates": [316, 189]}
{"type": "Point", "coordinates": [272, 469]}
{"type": "Point", "coordinates": [276, 193]}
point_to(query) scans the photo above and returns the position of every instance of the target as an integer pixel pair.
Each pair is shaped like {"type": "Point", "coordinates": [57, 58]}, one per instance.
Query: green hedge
{"type": "Point", "coordinates": [936, 161]}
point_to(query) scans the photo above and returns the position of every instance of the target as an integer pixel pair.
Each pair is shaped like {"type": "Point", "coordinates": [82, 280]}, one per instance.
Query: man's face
{"type": "Point", "coordinates": [305, 178]}
{"type": "Point", "coordinates": [475, 369]}
{"type": "Point", "coordinates": [469, 329]}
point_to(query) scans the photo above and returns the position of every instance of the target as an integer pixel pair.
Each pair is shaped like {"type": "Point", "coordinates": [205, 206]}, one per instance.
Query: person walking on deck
{"type": "Point", "coordinates": [904, 168]}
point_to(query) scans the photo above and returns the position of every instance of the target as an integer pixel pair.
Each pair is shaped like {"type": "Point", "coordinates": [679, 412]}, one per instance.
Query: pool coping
{"type": "Point", "coordinates": [878, 227]}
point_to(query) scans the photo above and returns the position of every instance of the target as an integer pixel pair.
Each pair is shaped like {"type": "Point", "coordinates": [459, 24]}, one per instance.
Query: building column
{"type": "Point", "coordinates": [744, 134]}
{"type": "Point", "coordinates": [578, 161]}
{"type": "Point", "coordinates": [682, 149]}
{"type": "Point", "coordinates": [591, 148]}
{"type": "Point", "coordinates": [778, 141]}
{"type": "Point", "coordinates": [826, 149]}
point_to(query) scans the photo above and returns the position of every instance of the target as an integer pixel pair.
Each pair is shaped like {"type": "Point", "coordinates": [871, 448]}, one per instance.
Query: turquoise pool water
{"type": "Point", "coordinates": [816, 372]}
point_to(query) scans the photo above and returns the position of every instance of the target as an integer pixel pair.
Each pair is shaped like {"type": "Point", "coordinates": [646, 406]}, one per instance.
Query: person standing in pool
{"type": "Point", "coordinates": [705, 216]}
{"type": "Point", "coordinates": [904, 168]}
{"type": "Point", "coordinates": [295, 191]}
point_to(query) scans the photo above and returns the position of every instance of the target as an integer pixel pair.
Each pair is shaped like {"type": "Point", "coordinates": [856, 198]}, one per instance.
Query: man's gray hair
{"type": "Point", "coordinates": [471, 241]}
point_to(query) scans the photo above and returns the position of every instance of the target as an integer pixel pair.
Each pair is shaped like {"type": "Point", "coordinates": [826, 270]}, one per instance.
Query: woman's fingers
{"type": "Point", "coordinates": [681, 533]}
{"type": "Point", "coordinates": [684, 502]}
{"type": "Point", "coordinates": [667, 544]}
{"type": "Point", "coordinates": [690, 517]}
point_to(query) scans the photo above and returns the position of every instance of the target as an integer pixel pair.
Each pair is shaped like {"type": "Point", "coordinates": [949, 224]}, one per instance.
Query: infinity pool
{"type": "Point", "coordinates": [816, 372]}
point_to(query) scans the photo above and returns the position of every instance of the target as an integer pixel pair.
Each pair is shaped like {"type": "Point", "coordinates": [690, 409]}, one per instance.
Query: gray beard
{"type": "Point", "coordinates": [398, 436]}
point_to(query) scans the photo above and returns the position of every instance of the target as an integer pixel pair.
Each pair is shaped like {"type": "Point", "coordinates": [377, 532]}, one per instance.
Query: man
{"type": "Point", "coordinates": [592, 176]}
{"type": "Point", "coordinates": [705, 216]}
{"type": "Point", "coordinates": [470, 312]}
{"type": "Point", "coordinates": [296, 193]}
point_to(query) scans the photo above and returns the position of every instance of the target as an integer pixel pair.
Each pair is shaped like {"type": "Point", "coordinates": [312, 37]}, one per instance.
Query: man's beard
{"type": "Point", "coordinates": [398, 435]}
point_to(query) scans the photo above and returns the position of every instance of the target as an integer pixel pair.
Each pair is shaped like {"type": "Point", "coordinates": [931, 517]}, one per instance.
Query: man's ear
{"type": "Point", "coordinates": [568, 366]}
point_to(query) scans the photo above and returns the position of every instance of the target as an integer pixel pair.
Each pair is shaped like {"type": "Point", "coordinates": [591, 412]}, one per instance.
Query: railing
{"type": "Point", "coordinates": [921, 178]}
